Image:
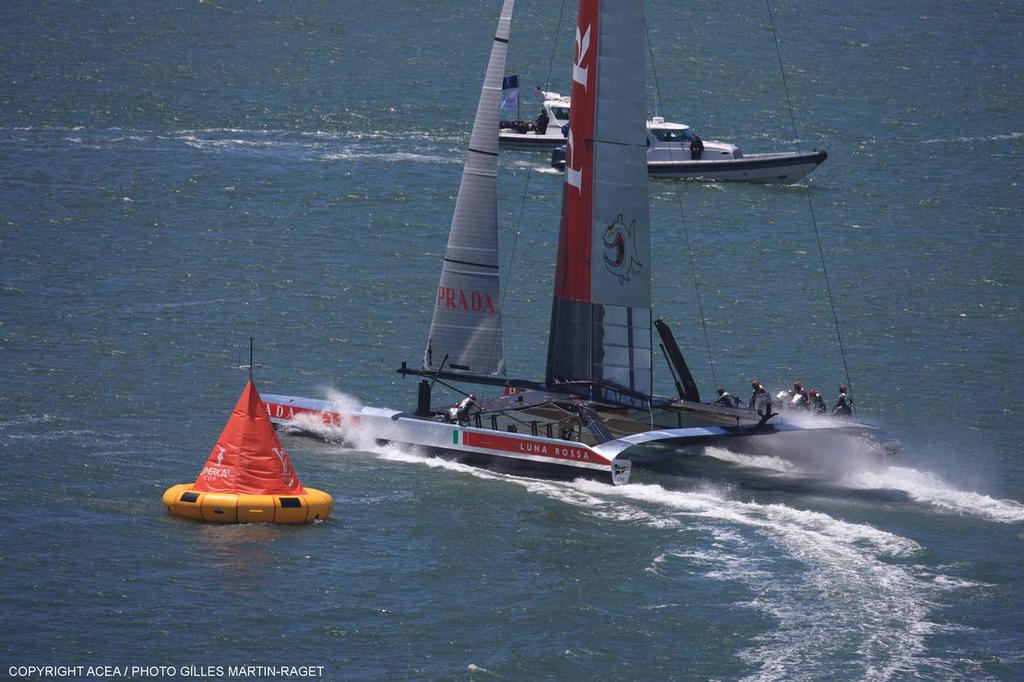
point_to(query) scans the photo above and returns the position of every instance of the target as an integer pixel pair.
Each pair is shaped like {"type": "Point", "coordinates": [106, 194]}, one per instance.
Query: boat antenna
{"type": "Point", "coordinates": [657, 84]}
{"type": "Point", "coordinates": [251, 365]}
{"type": "Point", "coordinates": [810, 202]}
{"type": "Point", "coordinates": [682, 220]}
{"type": "Point", "coordinates": [554, 44]}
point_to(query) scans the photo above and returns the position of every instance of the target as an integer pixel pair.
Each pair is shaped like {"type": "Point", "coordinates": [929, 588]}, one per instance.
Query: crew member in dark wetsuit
{"type": "Point", "coordinates": [844, 404]}
{"type": "Point", "coordinates": [726, 399]}
{"type": "Point", "coordinates": [696, 147]}
{"type": "Point", "coordinates": [799, 399]}
{"type": "Point", "coordinates": [760, 399]}
{"type": "Point", "coordinates": [817, 402]}
{"type": "Point", "coordinates": [541, 124]}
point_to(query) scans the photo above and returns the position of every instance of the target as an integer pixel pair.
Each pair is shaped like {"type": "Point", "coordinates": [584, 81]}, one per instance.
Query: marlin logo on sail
{"type": "Point", "coordinates": [620, 249]}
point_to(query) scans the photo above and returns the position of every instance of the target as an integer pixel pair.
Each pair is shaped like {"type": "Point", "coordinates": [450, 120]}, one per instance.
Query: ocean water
{"type": "Point", "coordinates": [176, 178]}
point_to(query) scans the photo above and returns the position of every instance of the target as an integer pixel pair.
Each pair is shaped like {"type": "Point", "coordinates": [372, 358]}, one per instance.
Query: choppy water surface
{"type": "Point", "coordinates": [178, 178]}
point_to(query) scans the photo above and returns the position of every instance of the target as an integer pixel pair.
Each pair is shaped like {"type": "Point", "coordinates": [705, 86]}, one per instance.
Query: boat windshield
{"type": "Point", "coordinates": [561, 113]}
{"type": "Point", "coordinates": [672, 134]}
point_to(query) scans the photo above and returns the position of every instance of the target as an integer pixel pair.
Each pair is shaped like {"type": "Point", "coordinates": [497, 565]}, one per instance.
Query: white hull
{"type": "Point", "coordinates": [778, 167]}
{"type": "Point", "coordinates": [531, 141]}
{"type": "Point", "coordinates": [495, 449]}
{"type": "Point", "coordinates": [782, 167]}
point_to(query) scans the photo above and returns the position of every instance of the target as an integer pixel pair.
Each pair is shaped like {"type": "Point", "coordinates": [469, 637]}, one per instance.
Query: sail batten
{"type": "Point", "coordinates": [466, 327]}
{"type": "Point", "coordinates": [601, 327]}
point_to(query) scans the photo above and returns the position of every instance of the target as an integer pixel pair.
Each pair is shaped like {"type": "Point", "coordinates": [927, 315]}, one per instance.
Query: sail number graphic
{"type": "Point", "coordinates": [580, 74]}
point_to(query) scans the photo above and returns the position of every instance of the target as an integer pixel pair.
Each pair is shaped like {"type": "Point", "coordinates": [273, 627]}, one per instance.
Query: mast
{"type": "Point", "coordinates": [466, 328]}
{"type": "Point", "coordinates": [601, 309]}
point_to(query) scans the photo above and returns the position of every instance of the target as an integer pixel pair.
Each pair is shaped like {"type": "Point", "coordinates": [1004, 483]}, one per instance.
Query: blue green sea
{"type": "Point", "coordinates": [178, 177]}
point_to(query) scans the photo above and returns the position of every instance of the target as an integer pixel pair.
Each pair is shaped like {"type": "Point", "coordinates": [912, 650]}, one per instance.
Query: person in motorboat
{"type": "Point", "coordinates": [760, 399]}
{"type": "Point", "coordinates": [696, 147]}
{"type": "Point", "coordinates": [844, 404]}
{"type": "Point", "coordinates": [541, 124]}
{"type": "Point", "coordinates": [726, 399]}
{"type": "Point", "coordinates": [799, 399]}
{"type": "Point", "coordinates": [817, 402]}
{"type": "Point", "coordinates": [459, 414]}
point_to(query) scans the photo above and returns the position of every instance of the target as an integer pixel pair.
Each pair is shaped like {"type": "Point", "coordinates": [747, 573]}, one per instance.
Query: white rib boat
{"type": "Point", "coordinates": [594, 413]}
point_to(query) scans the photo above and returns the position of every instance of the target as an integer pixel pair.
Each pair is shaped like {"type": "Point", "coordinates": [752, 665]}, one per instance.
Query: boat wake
{"type": "Point", "coordinates": [827, 586]}
{"type": "Point", "coordinates": [304, 146]}
{"type": "Point", "coordinates": [1016, 135]}
{"type": "Point", "coordinates": [929, 488]}
{"type": "Point", "coordinates": [868, 475]}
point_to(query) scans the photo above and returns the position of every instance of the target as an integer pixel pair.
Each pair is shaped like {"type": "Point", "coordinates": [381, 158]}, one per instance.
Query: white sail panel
{"type": "Point", "coordinates": [467, 325]}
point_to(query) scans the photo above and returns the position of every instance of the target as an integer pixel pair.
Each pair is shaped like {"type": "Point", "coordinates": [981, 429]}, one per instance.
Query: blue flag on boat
{"type": "Point", "coordinates": [510, 94]}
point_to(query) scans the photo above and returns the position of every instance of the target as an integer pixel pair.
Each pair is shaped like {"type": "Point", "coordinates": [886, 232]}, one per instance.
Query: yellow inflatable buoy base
{"type": "Point", "coordinates": [181, 500]}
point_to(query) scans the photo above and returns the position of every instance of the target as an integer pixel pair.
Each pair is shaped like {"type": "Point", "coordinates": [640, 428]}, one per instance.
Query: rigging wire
{"type": "Point", "coordinates": [810, 203]}
{"type": "Point", "coordinates": [682, 220]}
{"type": "Point", "coordinates": [529, 169]}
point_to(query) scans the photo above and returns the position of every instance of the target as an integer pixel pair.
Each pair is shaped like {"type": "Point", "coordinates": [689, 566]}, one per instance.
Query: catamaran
{"type": "Point", "coordinates": [594, 413]}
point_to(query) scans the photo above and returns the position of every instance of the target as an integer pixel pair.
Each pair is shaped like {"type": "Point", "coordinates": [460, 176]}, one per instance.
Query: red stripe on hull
{"type": "Point", "coordinates": [534, 448]}
{"type": "Point", "coordinates": [289, 412]}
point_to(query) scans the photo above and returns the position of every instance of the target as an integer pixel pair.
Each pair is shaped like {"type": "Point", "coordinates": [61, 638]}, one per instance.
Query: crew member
{"type": "Point", "coordinates": [541, 124]}
{"type": "Point", "coordinates": [844, 404]}
{"type": "Point", "coordinates": [760, 399]}
{"type": "Point", "coordinates": [799, 399]}
{"type": "Point", "coordinates": [460, 413]}
{"type": "Point", "coordinates": [817, 402]}
{"type": "Point", "coordinates": [696, 147]}
{"type": "Point", "coordinates": [726, 399]}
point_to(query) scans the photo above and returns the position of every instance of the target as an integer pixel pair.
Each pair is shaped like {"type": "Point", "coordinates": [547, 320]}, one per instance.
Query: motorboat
{"type": "Point", "coordinates": [543, 134]}
{"type": "Point", "coordinates": [669, 155]}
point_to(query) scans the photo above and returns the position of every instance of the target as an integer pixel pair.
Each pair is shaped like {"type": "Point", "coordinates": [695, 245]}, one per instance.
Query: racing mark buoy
{"type": "Point", "coordinates": [248, 477]}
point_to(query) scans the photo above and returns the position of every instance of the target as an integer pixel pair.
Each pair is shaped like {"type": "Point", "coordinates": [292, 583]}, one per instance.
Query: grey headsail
{"type": "Point", "coordinates": [601, 312]}
{"type": "Point", "coordinates": [467, 308]}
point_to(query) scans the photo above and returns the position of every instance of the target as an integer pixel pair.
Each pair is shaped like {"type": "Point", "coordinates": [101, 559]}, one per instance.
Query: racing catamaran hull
{"type": "Point", "coordinates": [502, 451]}
{"type": "Point", "coordinates": [536, 454]}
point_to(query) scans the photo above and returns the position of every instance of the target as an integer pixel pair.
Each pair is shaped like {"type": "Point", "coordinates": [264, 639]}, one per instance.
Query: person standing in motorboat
{"type": "Point", "coordinates": [844, 404]}
{"type": "Point", "coordinates": [696, 147]}
{"type": "Point", "coordinates": [541, 124]}
{"type": "Point", "coordinates": [817, 402]}
{"type": "Point", "coordinates": [726, 399]}
{"type": "Point", "coordinates": [760, 399]}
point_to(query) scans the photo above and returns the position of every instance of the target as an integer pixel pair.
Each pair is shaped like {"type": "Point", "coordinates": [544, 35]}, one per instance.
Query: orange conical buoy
{"type": "Point", "coordinates": [248, 476]}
